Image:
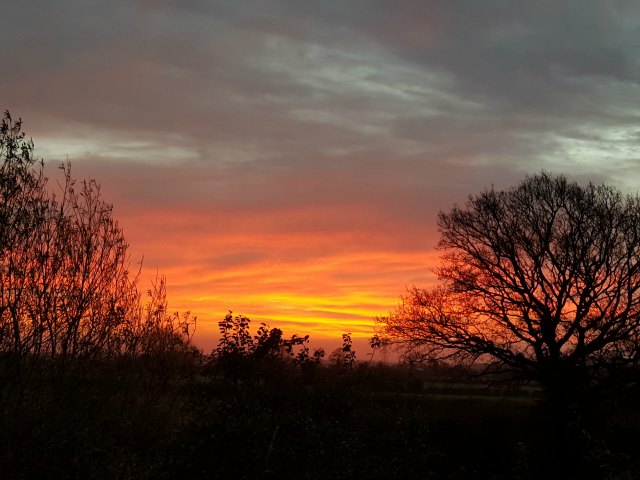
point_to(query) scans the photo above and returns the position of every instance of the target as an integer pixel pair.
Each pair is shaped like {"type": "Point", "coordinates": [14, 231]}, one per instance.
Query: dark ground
{"type": "Point", "coordinates": [166, 418]}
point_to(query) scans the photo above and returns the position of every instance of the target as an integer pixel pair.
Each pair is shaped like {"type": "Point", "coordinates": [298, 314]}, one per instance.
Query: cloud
{"type": "Point", "coordinates": [240, 141]}
{"type": "Point", "coordinates": [231, 83]}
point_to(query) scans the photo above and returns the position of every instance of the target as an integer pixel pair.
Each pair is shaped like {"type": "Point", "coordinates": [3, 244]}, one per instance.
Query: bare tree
{"type": "Point", "coordinates": [22, 206]}
{"type": "Point", "coordinates": [94, 279]}
{"type": "Point", "coordinates": [66, 289]}
{"type": "Point", "coordinates": [149, 328]}
{"type": "Point", "coordinates": [542, 279]}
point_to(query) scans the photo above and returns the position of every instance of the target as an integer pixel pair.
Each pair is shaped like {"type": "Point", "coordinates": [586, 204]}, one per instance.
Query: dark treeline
{"type": "Point", "coordinates": [99, 380]}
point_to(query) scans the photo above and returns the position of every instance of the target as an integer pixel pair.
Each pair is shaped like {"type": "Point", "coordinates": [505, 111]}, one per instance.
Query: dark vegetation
{"type": "Point", "coordinates": [542, 280]}
{"type": "Point", "coordinates": [99, 380]}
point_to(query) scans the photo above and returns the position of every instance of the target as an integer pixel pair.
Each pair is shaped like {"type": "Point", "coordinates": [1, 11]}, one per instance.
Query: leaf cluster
{"type": "Point", "coordinates": [239, 352]}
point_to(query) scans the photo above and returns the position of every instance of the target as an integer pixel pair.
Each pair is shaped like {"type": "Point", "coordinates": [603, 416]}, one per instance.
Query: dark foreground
{"type": "Point", "coordinates": [167, 418]}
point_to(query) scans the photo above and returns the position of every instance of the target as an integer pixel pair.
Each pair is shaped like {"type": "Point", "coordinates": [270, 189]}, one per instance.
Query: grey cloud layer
{"type": "Point", "coordinates": [436, 96]}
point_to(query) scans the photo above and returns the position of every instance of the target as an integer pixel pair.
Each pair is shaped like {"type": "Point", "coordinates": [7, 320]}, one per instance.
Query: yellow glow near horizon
{"type": "Point", "coordinates": [321, 298]}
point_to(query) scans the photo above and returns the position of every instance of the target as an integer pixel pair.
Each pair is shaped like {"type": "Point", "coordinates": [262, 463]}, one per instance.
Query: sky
{"type": "Point", "coordinates": [287, 159]}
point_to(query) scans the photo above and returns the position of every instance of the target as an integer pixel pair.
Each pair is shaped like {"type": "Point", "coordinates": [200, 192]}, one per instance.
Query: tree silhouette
{"type": "Point", "coordinates": [66, 290]}
{"type": "Point", "coordinates": [542, 279]}
{"type": "Point", "coordinates": [239, 353]}
{"type": "Point", "coordinates": [22, 209]}
{"type": "Point", "coordinates": [345, 356]}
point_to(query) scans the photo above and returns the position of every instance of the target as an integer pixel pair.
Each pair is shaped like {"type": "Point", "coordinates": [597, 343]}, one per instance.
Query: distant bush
{"type": "Point", "coordinates": [240, 355]}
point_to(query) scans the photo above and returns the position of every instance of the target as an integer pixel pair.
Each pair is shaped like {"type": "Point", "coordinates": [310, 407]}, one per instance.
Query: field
{"type": "Point", "coordinates": [172, 418]}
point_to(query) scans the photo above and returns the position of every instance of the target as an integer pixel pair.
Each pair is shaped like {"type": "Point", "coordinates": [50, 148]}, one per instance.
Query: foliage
{"type": "Point", "coordinates": [345, 356]}
{"type": "Point", "coordinates": [238, 352]}
{"type": "Point", "coordinates": [542, 279]}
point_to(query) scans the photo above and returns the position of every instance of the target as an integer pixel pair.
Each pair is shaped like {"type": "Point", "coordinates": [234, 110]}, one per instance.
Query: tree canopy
{"type": "Point", "coordinates": [542, 278]}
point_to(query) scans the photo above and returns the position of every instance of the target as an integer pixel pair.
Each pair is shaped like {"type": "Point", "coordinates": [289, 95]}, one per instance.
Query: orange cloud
{"type": "Point", "coordinates": [324, 297]}
{"type": "Point", "coordinates": [311, 252]}
{"type": "Point", "coordinates": [321, 282]}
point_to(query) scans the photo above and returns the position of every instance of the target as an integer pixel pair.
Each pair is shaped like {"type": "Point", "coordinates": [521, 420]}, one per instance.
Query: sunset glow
{"type": "Point", "coordinates": [326, 297]}
{"type": "Point", "coordinates": [323, 285]}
